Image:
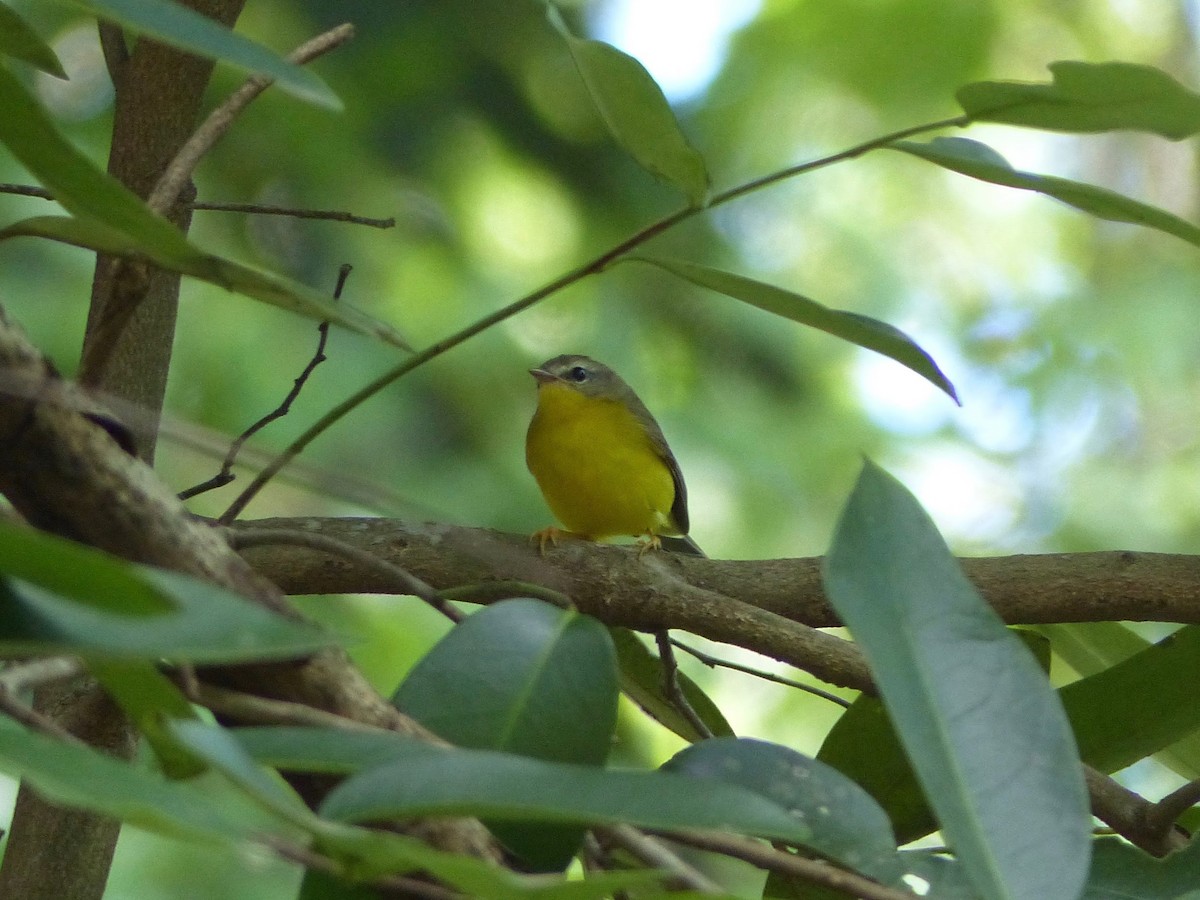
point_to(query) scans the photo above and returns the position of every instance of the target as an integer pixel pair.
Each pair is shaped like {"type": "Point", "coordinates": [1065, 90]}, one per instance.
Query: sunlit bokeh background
{"type": "Point", "coordinates": [1074, 345]}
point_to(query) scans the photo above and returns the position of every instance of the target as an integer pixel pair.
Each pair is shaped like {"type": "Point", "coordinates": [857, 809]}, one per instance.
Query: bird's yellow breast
{"type": "Point", "coordinates": [596, 466]}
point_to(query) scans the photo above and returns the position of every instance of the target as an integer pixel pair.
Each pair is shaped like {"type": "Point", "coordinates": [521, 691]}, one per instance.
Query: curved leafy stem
{"type": "Point", "coordinates": [591, 267]}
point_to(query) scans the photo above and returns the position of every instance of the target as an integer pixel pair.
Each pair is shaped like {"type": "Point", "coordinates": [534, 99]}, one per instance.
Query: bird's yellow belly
{"type": "Point", "coordinates": [597, 469]}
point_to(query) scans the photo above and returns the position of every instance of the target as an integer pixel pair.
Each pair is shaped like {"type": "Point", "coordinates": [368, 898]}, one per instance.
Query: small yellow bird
{"type": "Point", "coordinates": [600, 459]}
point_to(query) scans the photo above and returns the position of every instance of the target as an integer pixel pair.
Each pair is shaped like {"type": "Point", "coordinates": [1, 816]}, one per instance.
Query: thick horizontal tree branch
{"type": "Point", "coordinates": [653, 591]}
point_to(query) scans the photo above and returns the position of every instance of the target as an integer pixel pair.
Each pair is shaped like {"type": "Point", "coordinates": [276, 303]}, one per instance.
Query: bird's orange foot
{"type": "Point", "coordinates": [551, 536]}
{"type": "Point", "coordinates": [648, 541]}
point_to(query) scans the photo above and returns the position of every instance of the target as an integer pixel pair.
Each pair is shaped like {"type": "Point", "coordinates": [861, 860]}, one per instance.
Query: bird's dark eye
{"type": "Point", "coordinates": [578, 373]}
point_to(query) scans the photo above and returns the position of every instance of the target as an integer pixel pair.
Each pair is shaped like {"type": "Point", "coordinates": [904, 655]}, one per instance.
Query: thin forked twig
{"type": "Point", "coordinates": [225, 475]}
{"type": "Point", "coordinates": [672, 688]}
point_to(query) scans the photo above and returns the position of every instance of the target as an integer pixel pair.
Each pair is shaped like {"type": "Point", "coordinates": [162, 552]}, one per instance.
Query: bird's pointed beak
{"type": "Point", "coordinates": [542, 376]}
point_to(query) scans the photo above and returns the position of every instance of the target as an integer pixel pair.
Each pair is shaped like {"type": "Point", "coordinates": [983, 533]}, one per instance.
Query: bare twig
{"type": "Point", "coordinates": [764, 857]}
{"type": "Point", "coordinates": [266, 711]}
{"type": "Point", "coordinates": [330, 215]}
{"type": "Point", "coordinates": [717, 662]}
{"type": "Point", "coordinates": [178, 173]}
{"type": "Point", "coordinates": [404, 582]}
{"type": "Point", "coordinates": [225, 475]}
{"type": "Point", "coordinates": [1163, 814]}
{"type": "Point", "coordinates": [257, 209]}
{"type": "Point", "coordinates": [670, 684]}
{"type": "Point", "coordinates": [1131, 815]}
{"type": "Point", "coordinates": [655, 854]}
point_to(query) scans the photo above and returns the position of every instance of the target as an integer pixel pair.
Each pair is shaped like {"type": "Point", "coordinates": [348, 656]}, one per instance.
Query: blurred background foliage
{"type": "Point", "coordinates": [1073, 344]}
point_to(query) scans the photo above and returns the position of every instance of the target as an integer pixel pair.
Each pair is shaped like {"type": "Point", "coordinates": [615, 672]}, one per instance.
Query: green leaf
{"type": "Point", "coordinates": [857, 329]}
{"type": "Point", "coordinates": [846, 824]}
{"type": "Point", "coordinates": [862, 745]}
{"type": "Point", "coordinates": [149, 699]}
{"type": "Point", "coordinates": [636, 112]}
{"type": "Point", "coordinates": [401, 778]}
{"type": "Point", "coordinates": [986, 734]}
{"type": "Point", "coordinates": [523, 676]}
{"type": "Point", "coordinates": [20, 41]}
{"type": "Point", "coordinates": [1121, 872]}
{"type": "Point", "coordinates": [188, 260]}
{"type": "Point", "coordinates": [1091, 647]}
{"type": "Point", "coordinates": [641, 681]}
{"type": "Point", "coordinates": [1139, 706]}
{"type": "Point", "coordinates": [526, 677]}
{"type": "Point", "coordinates": [419, 779]}
{"type": "Point", "coordinates": [980, 161]}
{"type": "Point", "coordinates": [1089, 97]}
{"type": "Point", "coordinates": [177, 25]}
{"type": "Point", "coordinates": [62, 597]}
{"type": "Point", "coordinates": [78, 776]}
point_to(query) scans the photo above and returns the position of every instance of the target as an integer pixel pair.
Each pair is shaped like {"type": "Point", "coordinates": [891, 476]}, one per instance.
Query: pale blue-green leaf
{"type": "Point", "coordinates": [178, 25]}
{"type": "Point", "coordinates": [857, 329]}
{"type": "Point", "coordinates": [21, 42]}
{"type": "Point", "coordinates": [971, 158]}
{"type": "Point", "coordinates": [1089, 97]}
{"type": "Point", "coordinates": [637, 113]}
{"type": "Point", "coordinates": [987, 736]}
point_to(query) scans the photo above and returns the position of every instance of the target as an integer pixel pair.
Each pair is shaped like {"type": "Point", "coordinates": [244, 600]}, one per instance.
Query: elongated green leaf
{"type": "Point", "coordinates": [527, 677]}
{"type": "Point", "coordinates": [641, 680]}
{"type": "Point", "coordinates": [264, 286]}
{"type": "Point", "coordinates": [110, 218]}
{"type": "Point", "coordinates": [1137, 707]}
{"type": "Point", "coordinates": [78, 776]}
{"type": "Point", "coordinates": [149, 699]}
{"type": "Point", "coordinates": [1089, 97]}
{"type": "Point", "coordinates": [175, 24]}
{"type": "Point", "coordinates": [986, 734]}
{"type": "Point", "coordinates": [980, 161]}
{"type": "Point", "coordinates": [418, 779]}
{"type": "Point", "coordinates": [60, 597]}
{"type": "Point", "coordinates": [504, 787]}
{"type": "Point", "coordinates": [857, 329]}
{"type": "Point", "coordinates": [1091, 647]}
{"type": "Point", "coordinates": [20, 41]}
{"type": "Point", "coordinates": [449, 772]}
{"type": "Point", "coordinates": [636, 113]}
{"type": "Point", "coordinates": [846, 824]}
